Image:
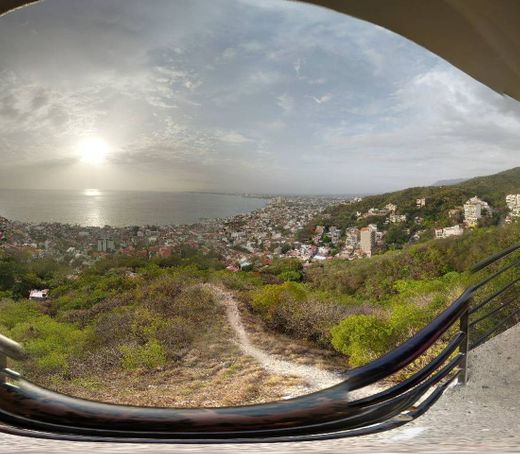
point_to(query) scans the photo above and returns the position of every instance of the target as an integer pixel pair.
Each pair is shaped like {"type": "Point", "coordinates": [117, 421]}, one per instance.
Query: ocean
{"type": "Point", "coordinates": [93, 207]}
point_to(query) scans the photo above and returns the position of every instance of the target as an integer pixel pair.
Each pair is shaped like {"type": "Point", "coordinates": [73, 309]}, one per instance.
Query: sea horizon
{"type": "Point", "coordinates": [121, 208]}
{"type": "Point", "coordinates": [240, 193]}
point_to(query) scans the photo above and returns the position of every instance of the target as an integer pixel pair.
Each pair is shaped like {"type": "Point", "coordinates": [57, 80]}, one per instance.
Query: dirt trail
{"type": "Point", "coordinates": [314, 377]}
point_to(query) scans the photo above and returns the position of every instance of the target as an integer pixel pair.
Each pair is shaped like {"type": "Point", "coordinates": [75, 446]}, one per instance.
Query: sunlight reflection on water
{"type": "Point", "coordinates": [92, 192]}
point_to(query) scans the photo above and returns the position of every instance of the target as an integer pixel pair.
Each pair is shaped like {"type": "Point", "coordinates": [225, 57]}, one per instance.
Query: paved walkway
{"type": "Point", "coordinates": [482, 417]}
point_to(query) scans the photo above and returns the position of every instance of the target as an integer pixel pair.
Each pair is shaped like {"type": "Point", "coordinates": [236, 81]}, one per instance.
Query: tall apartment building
{"type": "Point", "coordinates": [367, 240]}
{"type": "Point", "coordinates": [513, 201]}
{"type": "Point", "coordinates": [473, 211]}
{"type": "Point", "coordinates": [105, 245]}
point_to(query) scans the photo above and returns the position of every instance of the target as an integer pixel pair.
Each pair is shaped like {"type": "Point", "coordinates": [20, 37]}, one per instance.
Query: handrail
{"type": "Point", "coordinates": [494, 258]}
{"type": "Point", "coordinates": [12, 349]}
{"type": "Point", "coordinates": [33, 411]}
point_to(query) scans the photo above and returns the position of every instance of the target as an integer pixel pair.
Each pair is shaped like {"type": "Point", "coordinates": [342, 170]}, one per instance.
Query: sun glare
{"type": "Point", "coordinates": [93, 150]}
{"type": "Point", "coordinates": [92, 192]}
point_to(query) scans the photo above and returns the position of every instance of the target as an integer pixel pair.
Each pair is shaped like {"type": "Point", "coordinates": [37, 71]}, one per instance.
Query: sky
{"type": "Point", "coordinates": [235, 96]}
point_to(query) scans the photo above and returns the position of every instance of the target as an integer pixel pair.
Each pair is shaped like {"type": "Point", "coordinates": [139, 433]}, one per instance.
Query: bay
{"type": "Point", "coordinates": [92, 207]}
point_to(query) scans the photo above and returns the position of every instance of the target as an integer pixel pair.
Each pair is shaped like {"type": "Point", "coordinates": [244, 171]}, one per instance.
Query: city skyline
{"type": "Point", "coordinates": [235, 96]}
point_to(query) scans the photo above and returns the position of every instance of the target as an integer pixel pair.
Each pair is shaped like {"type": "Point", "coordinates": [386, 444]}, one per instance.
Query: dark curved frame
{"type": "Point", "coordinates": [29, 410]}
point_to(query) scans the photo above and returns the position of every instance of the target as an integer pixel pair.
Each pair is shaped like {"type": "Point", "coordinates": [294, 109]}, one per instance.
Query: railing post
{"type": "Point", "coordinates": [464, 347]}
{"type": "Point", "coordinates": [9, 349]}
{"type": "Point", "coordinates": [3, 365]}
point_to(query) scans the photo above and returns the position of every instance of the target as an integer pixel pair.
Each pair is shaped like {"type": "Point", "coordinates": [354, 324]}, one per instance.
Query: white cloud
{"type": "Point", "coordinates": [232, 137]}
{"type": "Point", "coordinates": [285, 102]}
{"type": "Point", "coordinates": [298, 66]}
{"type": "Point", "coordinates": [440, 118]}
{"type": "Point", "coordinates": [322, 99]}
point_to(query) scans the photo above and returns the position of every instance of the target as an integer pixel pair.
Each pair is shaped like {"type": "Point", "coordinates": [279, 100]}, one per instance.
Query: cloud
{"type": "Point", "coordinates": [232, 137]}
{"type": "Point", "coordinates": [298, 66]}
{"type": "Point", "coordinates": [322, 99]}
{"type": "Point", "coordinates": [439, 118]}
{"type": "Point", "coordinates": [238, 95]}
{"type": "Point", "coordinates": [285, 102]}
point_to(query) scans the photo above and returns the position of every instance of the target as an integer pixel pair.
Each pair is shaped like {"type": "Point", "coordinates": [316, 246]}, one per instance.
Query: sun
{"type": "Point", "coordinates": [93, 150]}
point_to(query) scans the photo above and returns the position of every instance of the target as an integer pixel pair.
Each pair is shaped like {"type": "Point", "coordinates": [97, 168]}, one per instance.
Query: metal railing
{"type": "Point", "coordinates": [29, 410]}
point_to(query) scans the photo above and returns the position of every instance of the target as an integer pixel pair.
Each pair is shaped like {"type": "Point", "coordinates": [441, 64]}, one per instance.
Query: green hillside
{"type": "Point", "coordinates": [494, 188]}
{"type": "Point", "coordinates": [439, 202]}
{"type": "Point", "coordinates": [364, 308]}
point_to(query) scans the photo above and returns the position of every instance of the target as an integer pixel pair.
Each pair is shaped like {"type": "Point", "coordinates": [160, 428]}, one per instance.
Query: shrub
{"type": "Point", "coordinates": [290, 276]}
{"type": "Point", "coordinates": [237, 281]}
{"type": "Point", "coordinates": [176, 336]}
{"type": "Point", "coordinates": [111, 328]}
{"type": "Point", "coordinates": [311, 319]}
{"type": "Point", "coordinates": [362, 338]}
{"type": "Point", "coordinates": [13, 313]}
{"type": "Point", "coordinates": [282, 265]}
{"type": "Point", "coordinates": [267, 298]}
{"type": "Point", "coordinates": [54, 363]}
{"type": "Point", "coordinates": [147, 356]}
{"type": "Point", "coordinates": [49, 343]}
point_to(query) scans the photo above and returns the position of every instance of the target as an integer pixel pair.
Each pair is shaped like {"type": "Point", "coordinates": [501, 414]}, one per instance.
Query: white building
{"type": "Point", "coordinates": [245, 264]}
{"type": "Point", "coordinates": [334, 234]}
{"type": "Point", "coordinates": [421, 202]}
{"type": "Point", "coordinates": [397, 218]}
{"type": "Point", "coordinates": [352, 237]}
{"type": "Point", "coordinates": [391, 207]}
{"type": "Point", "coordinates": [367, 240]}
{"type": "Point", "coordinates": [473, 211]}
{"type": "Point", "coordinates": [39, 295]}
{"type": "Point", "coordinates": [513, 201]}
{"type": "Point", "coordinates": [455, 230]}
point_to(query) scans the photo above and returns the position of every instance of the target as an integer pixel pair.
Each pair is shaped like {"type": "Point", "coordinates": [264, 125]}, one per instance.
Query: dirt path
{"type": "Point", "coordinates": [315, 378]}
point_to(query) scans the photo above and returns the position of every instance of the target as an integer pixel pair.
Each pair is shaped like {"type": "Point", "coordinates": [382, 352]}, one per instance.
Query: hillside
{"type": "Point", "coordinates": [494, 188]}
{"type": "Point", "coordinates": [156, 337]}
{"type": "Point", "coordinates": [363, 308]}
{"type": "Point", "coordinates": [439, 202]}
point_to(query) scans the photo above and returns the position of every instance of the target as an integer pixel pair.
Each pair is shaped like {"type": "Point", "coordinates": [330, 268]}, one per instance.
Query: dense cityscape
{"type": "Point", "coordinates": [244, 240]}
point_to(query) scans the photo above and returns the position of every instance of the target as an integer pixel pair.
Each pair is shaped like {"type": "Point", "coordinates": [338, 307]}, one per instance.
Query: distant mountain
{"type": "Point", "coordinates": [440, 200]}
{"type": "Point", "coordinates": [449, 182]}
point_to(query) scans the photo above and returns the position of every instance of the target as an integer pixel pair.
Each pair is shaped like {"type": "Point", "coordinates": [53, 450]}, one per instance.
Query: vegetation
{"type": "Point", "coordinates": [440, 200]}
{"type": "Point", "coordinates": [19, 273]}
{"type": "Point", "coordinates": [137, 332]}
{"type": "Point", "coordinates": [108, 318]}
{"type": "Point", "coordinates": [366, 307]}
{"type": "Point", "coordinates": [133, 314]}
